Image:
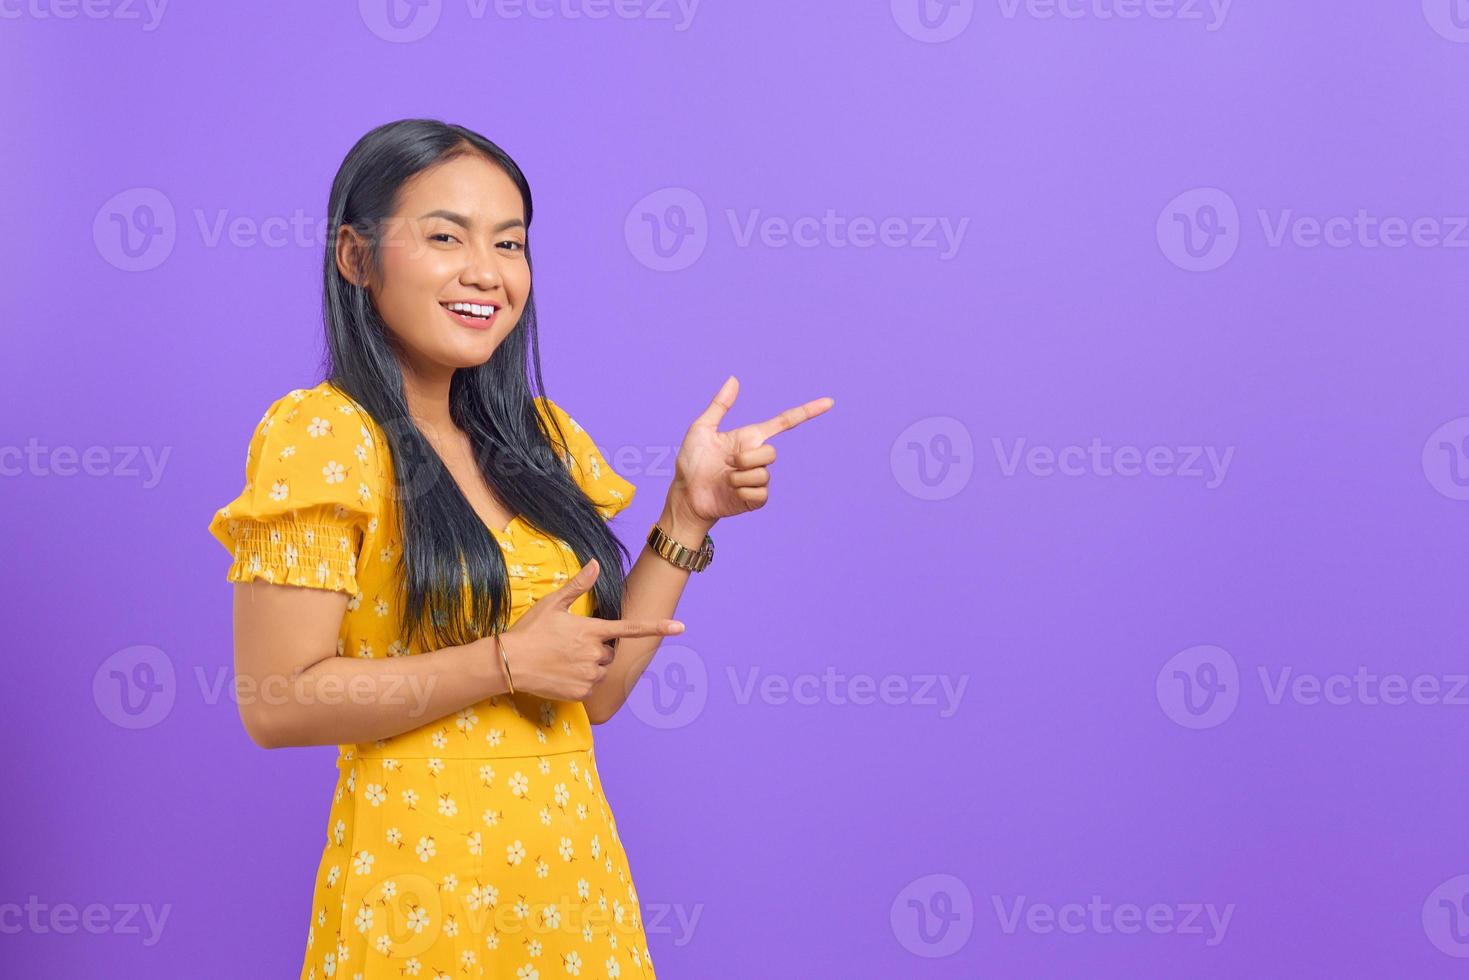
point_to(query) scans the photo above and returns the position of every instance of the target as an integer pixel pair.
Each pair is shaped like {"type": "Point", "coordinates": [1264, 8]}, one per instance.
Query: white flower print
{"type": "Point", "coordinates": [545, 815]}
{"type": "Point", "coordinates": [435, 766]}
{"type": "Point", "coordinates": [519, 784]}
{"type": "Point", "coordinates": [582, 888]}
{"type": "Point", "coordinates": [410, 798]}
{"type": "Point", "coordinates": [375, 794]}
{"type": "Point", "coordinates": [395, 837]}
{"type": "Point", "coordinates": [425, 848]}
{"type": "Point", "coordinates": [515, 853]}
{"type": "Point", "coordinates": [280, 490]}
{"type": "Point", "coordinates": [476, 846]}
{"type": "Point", "coordinates": [363, 919]}
{"type": "Point", "coordinates": [614, 969]}
{"type": "Point", "coordinates": [486, 774]}
{"type": "Point", "coordinates": [319, 427]}
{"type": "Point", "coordinates": [334, 472]}
{"type": "Point", "coordinates": [447, 806]}
{"type": "Point", "coordinates": [450, 882]}
{"type": "Point", "coordinates": [466, 719]}
{"type": "Point", "coordinates": [333, 875]}
{"type": "Point", "coordinates": [493, 736]}
{"type": "Point", "coordinates": [362, 863]}
{"type": "Point", "coordinates": [528, 972]}
{"type": "Point", "coordinates": [439, 739]}
{"type": "Point", "coordinates": [383, 945]}
{"type": "Point", "coordinates": [542, 868]}
{"type": "Point", "coordinates": [572, 961]}
{"type": "Point", "coordinates": [288, 452]}
{"type": "Point", "coordinates": [560, 794]}
{"type": "Point", "coordinates": [565, 849]}
{"type": "Point", "coordinates": [417, 918]}
{"type": "Point", "coordinates": [544, 766]}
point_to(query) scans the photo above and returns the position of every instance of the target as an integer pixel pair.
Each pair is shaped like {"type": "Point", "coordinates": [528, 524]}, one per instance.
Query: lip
{"type": "Point", "coordinates": [470, 322]}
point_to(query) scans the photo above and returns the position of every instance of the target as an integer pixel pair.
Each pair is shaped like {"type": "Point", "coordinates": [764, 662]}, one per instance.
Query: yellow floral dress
{"type": "Point", "coordinates": [479, 844]}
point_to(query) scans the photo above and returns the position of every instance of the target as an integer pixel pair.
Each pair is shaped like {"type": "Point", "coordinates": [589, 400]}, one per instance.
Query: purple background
{"type": "Point", "coordinates": [803, 836]}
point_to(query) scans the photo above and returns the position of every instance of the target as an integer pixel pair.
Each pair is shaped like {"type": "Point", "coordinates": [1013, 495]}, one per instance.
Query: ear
{"type": "Point", "coordinates": [351, 254]}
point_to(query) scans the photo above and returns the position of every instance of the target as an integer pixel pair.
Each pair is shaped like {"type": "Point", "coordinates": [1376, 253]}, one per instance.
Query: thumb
{"type": "Point", "coordinates": [724, 400]}
{"type": "Point", "coordinates": [579, 583]}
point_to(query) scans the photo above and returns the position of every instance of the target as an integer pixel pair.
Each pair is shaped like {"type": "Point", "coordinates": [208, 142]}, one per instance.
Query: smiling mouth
{"type": "Point", "coordinates": [483, 312]}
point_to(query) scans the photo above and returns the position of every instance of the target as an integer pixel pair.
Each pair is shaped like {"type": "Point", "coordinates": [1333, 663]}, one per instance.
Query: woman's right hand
{"type": "Point", "coordinates": [561, 656]}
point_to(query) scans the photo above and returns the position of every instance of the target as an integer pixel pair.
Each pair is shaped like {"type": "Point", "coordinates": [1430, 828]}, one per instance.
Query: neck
{"type": "Point", "coordinates": [427, 393]}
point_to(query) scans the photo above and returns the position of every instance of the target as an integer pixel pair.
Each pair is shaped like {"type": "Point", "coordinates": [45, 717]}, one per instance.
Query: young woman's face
{"type": "Point", "coordinates": [458, 236]}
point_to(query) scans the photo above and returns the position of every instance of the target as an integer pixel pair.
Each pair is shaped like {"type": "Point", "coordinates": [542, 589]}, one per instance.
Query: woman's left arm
{"type": "Point", "coordinates": [717, 474]}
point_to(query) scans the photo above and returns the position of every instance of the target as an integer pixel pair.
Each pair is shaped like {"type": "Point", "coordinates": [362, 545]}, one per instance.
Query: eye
{"type": "Point", "coordinates": [442, 234]}
{"type": "Point", "coordinates": [519, 246]}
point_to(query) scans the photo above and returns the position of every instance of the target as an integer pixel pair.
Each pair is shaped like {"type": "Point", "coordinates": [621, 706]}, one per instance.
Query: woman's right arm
{"type": "Point", "coordinates": [293, 689]}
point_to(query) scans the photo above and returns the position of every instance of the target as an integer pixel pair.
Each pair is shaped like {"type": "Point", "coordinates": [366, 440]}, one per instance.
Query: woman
{"type": "Point", "coordinates": [426, 578]}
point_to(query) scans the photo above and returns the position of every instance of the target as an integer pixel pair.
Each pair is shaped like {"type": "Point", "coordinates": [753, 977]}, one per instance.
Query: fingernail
{"type": "Point", "coordinates": [677, 626]}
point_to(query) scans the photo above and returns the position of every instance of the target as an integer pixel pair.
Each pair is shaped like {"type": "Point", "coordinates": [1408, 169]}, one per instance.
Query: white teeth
{"type": "Point", "coordinates": [474, 309]}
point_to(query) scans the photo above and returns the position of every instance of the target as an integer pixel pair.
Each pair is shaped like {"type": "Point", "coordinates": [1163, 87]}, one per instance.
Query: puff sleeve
{"type": "Point", "coordinates": [608, 490]}
{"type": "Point", "coordinates": [311, 494]}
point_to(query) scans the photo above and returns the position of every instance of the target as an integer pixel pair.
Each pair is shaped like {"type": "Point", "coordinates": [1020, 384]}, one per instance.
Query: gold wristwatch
{"type": "Point", "coordinates": [685, 558]}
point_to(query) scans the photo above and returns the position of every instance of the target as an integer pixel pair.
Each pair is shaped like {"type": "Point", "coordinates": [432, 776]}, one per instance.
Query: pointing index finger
{"type": "Point", "coordinates": [793, 417]}
{"type": "Point", "coordinates": [613, 629]}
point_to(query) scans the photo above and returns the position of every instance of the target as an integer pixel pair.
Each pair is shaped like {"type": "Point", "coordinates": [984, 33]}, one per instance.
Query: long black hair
{"type": "Point", "coordinates": [446, 547]}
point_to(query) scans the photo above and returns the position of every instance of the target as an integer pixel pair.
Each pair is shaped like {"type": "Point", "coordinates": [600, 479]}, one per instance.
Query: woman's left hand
{"type": "Point", "coordinates": [720, 474]}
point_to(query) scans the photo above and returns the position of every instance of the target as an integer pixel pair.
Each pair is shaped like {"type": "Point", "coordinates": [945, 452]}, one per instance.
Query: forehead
{"type": "Point", "coordinates": [469, 185]}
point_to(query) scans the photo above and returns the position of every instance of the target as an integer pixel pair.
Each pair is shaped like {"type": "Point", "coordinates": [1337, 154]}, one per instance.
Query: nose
{"type": "Point", "coordinates": [481, 269]}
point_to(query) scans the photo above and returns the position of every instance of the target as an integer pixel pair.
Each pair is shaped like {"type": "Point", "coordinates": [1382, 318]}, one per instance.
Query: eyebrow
{"type": "Point", "coordinates": [464, 222]}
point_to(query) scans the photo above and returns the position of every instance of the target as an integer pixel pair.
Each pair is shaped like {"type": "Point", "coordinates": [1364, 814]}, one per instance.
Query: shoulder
{"type": "Point", "coordinates": [318, 411]}
{"type": "Point", "coordinates": [317, 430]}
